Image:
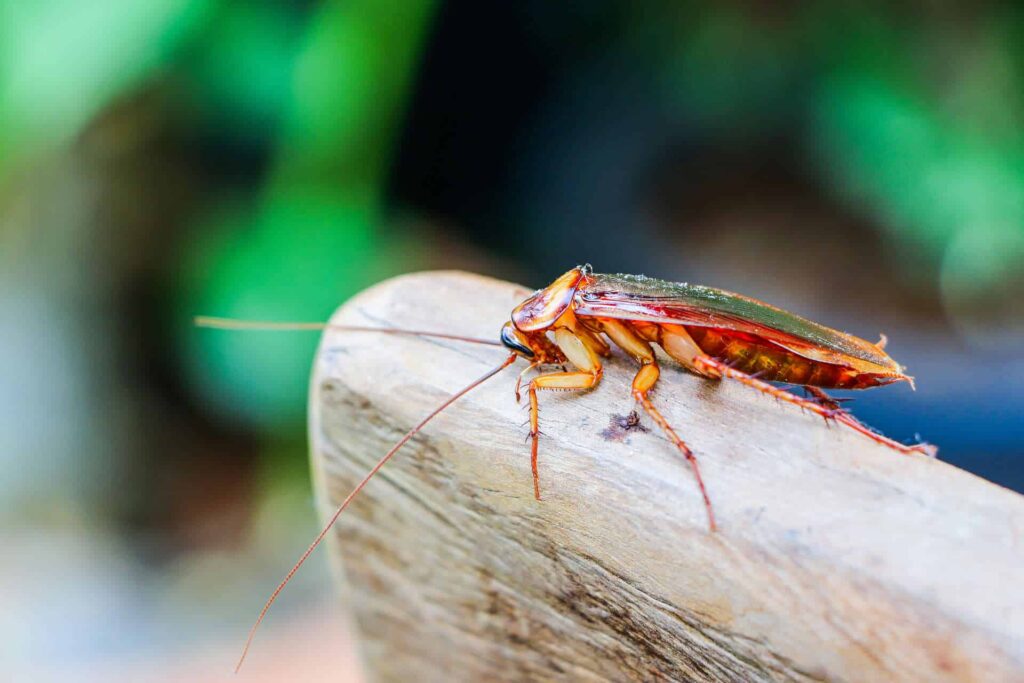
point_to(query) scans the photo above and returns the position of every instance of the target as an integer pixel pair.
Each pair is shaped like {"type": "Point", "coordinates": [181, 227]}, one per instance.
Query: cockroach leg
{"type": "Point", "coordinates": [816, 395]}
{"type": "Point", "coordinates": [592, 340]}
{"type": "Point", "coordinates": [637, 347]}
{"type": "Point", "coordinates": [718, 368]}
{"type": "Point", "coordinates": [589, 374]}
{"type": "Point", "coordinates": [832, 404]}
{"type": "Point", "coordinates": [925, 449]}
{"type": "Point", "coordinates": [644, 381]}
{"type": "Point", "coordinates": [821, 398]}
{"type": "Point", "coordinates": [839, 415]}
{"type": "Point", "coordinates": [519, 379]}
{"type": "Point", "coordinates": [554, 380]}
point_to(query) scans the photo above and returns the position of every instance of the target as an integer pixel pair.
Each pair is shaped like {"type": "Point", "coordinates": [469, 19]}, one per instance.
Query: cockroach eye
{"type": "Point", "coordinates": [510, 338]}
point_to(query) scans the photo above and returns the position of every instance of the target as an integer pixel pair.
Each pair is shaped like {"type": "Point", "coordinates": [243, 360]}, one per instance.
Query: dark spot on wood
{"type": "Point", "coordinates": [620, 425]}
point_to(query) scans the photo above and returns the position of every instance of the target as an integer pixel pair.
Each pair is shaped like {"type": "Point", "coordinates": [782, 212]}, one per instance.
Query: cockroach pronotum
{"type": "Point", "coordinates": [710, 332]}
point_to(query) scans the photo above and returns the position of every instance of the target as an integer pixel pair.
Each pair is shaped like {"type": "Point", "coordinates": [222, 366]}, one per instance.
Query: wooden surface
{"type": "Point", "coordinates": [837, 559]}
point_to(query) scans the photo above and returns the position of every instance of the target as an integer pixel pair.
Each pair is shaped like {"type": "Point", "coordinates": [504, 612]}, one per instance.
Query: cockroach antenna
{"type": "Point", "coordinates": [274, 326]}
{"type": "Point", "coordinates": [713, 333]}
{"type": "Point", "coordinates": [359, 487]}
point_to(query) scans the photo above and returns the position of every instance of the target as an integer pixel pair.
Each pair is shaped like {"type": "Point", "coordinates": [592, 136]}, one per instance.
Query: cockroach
{"type": "Point", "coordinates": [711, 332]}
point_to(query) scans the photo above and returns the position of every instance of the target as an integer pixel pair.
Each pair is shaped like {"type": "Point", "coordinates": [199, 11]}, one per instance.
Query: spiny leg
{"type": "Point", "coordinates": [846, 417]}
{"type": "Point", "coordinates": [582, 356]}
{"type": "Point", "coordinates": [720, 369]}
{"type": "Point", "coordinates": [821, 398]}
{"type": "Point", "coordinates": [643, 382]}
{"type": "Point", "coordinates": [834, 405]}
{"type": "Point", "coordinates": [554, 380]}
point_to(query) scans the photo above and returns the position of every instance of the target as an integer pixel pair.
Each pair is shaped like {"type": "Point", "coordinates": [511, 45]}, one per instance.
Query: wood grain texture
{"type": "Point", "coordinates": [837, 559]}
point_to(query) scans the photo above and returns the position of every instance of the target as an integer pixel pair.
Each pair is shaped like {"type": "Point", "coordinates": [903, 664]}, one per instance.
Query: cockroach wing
{"type": "Point", "coordinates": [635, 297]}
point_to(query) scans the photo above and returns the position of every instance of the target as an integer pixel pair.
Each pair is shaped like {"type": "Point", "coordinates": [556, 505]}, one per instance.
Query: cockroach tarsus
{"type": "Point", "coordinates": [571, 324]}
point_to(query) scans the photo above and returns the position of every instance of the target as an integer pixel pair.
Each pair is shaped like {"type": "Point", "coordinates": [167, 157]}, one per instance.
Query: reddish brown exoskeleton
{"type": "Point", "coordinates": [711, 332]}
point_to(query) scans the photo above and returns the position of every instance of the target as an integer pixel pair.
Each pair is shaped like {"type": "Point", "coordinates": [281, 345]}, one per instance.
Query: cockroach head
{"type": "Point", "coordinates": [515, 341]}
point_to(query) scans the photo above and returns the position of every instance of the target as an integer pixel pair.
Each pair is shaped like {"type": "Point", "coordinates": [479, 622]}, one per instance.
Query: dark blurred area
{"type": "Point", "coordinates": [862, 166]}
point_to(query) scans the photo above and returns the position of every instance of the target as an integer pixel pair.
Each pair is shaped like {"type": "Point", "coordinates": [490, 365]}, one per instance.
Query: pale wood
{"type": "Point", "coordinates": [837, 559]}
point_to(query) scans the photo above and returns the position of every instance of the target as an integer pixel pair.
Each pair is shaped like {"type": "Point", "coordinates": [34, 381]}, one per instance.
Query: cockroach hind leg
{"type": "Point", "coordinates": [840, 416]}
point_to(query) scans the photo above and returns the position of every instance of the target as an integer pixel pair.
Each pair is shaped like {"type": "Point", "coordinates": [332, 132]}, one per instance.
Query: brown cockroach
{"type": "Point", "coordinates": [710, 332]}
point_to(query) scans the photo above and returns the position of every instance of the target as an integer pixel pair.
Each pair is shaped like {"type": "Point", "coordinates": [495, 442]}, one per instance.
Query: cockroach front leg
{"type": "Point", "coordinates": [718, 368]}
{"type": "Point", "coordinates": [583, 357]}
{"type": "Point", "coordinates": [519, 379]}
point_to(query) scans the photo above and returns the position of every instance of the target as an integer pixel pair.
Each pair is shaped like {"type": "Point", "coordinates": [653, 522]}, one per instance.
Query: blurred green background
{"type": "Point", "coordinates": [164, 158]}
